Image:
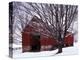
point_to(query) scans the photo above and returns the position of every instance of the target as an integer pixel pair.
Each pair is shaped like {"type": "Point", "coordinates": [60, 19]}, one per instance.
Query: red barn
{"type": "Point", "coordinates": [35, 38]}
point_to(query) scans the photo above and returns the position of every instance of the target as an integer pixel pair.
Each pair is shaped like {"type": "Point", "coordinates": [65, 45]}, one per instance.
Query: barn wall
{"type": "Point", "coordinates": [47, 43]}
{"type": "Point", "coordinates": [25, 41]}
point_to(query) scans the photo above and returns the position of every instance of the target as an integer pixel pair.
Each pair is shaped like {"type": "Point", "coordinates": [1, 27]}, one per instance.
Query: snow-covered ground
{"type": "Point", "coordinates": [69, 51]}
{"type": "Point", "coordinates": [66, 51]}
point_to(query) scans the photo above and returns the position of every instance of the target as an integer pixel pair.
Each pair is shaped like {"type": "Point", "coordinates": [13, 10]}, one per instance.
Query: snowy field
{"type": "Point", "coordinates": [66, 51]}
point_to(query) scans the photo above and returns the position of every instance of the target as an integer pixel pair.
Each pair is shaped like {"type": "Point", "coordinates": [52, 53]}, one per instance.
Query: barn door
{"type": "Point", "coordinates": [35, 42]}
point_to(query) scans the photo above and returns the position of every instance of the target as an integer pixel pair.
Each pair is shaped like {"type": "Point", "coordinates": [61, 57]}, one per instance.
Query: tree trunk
{"type": "Point", "coordinates": [60, 46]}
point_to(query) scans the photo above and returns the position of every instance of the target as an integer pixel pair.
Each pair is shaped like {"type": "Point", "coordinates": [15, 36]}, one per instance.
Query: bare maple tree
{"type": "Point", "coordinates": [56, 19]}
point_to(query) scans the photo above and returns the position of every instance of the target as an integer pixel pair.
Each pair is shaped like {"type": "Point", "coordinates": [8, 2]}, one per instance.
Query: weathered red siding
{"type": "Point", "coordinates": [44, 41]}
{"type": "Point", "coordinates": [69, 40]}
{"type": "Point", "coordinates": [25, 41]}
